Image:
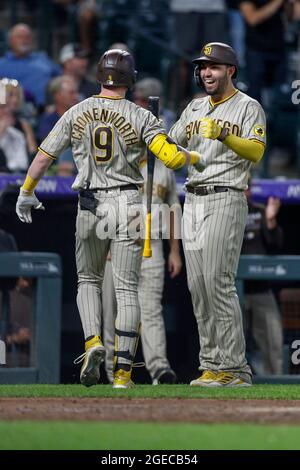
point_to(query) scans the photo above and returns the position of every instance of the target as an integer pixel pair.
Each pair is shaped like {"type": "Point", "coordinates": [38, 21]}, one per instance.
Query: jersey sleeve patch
{"type": "Point", "coordinates": [259, 130]}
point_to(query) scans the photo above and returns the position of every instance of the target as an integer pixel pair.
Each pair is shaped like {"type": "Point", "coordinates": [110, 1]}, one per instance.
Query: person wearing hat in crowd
{"type": "Point", "coordinates": [74, 61]}
{"type": "Point", "coordinates": [153, 87]}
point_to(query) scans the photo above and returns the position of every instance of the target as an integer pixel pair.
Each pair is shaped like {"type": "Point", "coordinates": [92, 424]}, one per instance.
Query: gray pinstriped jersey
{"type": "Point", "coordinates": [243, 116]}
{"type": "Point", "coordinates": [108, 139]}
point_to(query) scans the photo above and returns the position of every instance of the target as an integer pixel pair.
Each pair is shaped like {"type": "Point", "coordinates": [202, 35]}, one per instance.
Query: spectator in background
{"type": "Point", "coordinates": [15, 325]}
{"type": "Point", "coordinates": [14, 100]}
{"type": "Point", "coordinates": [32, 69]}
{"type": "Point", "coordinates": [153, 87]}
{"type": "Point", "coordinates": [195, 22]}
{"type": "Point", "coordinates": [263, 236]}
{"type": "Point", "coordinates": [64, 93]}
{"type": "Point", "coordinates": [265, 47]}
{"type": "Point", "coordinates": [13, 153]}
{"type": "Point", "coordinates": [86, 14]}
{"type": "Point", "coordinates": [74, 61]}
{"type": "Point", "coordinates": [236, 31]}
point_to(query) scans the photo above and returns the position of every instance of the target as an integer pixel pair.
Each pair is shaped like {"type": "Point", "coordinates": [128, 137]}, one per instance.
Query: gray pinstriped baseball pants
{"type": "Point", "coordinates": [91, 254]}
{"type": "Point", "coordinates": [213, 228]}
{"type": "Point", "coordinates": [150, 291]}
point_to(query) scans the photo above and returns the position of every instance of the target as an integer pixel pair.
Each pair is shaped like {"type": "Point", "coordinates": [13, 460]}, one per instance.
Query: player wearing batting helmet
{"type": "Point", "coordinates": [109, 136]}
{"type": "Point", "coordinates": [218, 53]}
{"type": "Point", "coordinates": [116, 68]}
{"type": "Point", "coordinates": [227, 127]}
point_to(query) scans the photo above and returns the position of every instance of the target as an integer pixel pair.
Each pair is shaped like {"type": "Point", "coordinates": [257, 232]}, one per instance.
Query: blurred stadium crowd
{"type": "Point", "coordinates": [48, 55]}
{"type": "Point", "coordinates": [49, 49]}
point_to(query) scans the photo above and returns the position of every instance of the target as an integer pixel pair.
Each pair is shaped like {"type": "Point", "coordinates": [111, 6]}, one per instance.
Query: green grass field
{"type": "Point", "coordinates": [283, 392]}
{"type": "Point", "coordinates": [151, 436]}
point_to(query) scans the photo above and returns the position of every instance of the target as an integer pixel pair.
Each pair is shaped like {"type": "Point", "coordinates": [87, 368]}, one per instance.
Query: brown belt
{"type": "Point", "coordinates": [205, 190]}
{"type": "Point", "coordinates": [125, 187]}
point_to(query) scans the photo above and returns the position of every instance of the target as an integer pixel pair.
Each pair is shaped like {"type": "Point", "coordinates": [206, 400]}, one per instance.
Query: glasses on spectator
{"type": "Point", "coordinates": [9, 81]}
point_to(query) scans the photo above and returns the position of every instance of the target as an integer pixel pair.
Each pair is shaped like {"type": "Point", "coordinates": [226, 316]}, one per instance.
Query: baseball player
{"type": "Point", "coordinates": [151, 282]}
{"type": "Point", "coordinates": [262, 317]}
{"type": "Point", "coordinates": [108, 135]}
{"type": "Point", "coordinates": [227, 127]}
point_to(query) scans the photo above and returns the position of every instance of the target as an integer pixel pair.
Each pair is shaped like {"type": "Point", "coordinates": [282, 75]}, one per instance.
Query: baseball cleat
{"type": "Point", "coordinates": [122, 379]}
{"type": "Point", "coordinates": [220, 379]}
{"type": "Point", "coordinates": [207, 378]}
{"type": "Point", "coordinates": [92, 358]}
{"type": "Point", "coordinates": [227, 379]}
{"type": "Point", "coordinates": [165, 376]}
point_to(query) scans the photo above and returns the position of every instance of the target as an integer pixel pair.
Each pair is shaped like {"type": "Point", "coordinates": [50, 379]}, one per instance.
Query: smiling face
{"type": "Point", "coordinates": [216, 78]}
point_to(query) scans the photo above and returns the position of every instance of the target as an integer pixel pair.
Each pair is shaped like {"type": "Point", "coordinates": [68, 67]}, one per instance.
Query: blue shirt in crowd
{"type": "Point", "coordinates": [46, 123]}
{"type": "Point", "coordinates": [32, 71]}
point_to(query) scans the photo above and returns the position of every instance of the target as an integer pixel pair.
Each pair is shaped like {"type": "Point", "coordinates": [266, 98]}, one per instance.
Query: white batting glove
{"type": "Point", "coordinates": [197, 160]}
{"type": "Point", "coordinates": [199, 165]}
{"type": "Point", "coordinates": [24, 204]}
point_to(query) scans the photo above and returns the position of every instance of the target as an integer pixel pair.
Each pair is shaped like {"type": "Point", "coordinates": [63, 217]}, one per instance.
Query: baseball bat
{"type": "Point", "coordinates": [153, 106]}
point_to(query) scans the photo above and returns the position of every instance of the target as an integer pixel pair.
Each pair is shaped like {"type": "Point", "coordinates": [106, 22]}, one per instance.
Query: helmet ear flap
{"type": "Point", "coordinates": [197, 76]}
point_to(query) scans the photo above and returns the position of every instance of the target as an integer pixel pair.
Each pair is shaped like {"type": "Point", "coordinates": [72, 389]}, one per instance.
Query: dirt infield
{"type": "Point", "coordinates": [153, 410]}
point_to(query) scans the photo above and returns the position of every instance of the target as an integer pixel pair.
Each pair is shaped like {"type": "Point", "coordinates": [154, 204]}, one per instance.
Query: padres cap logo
{"type": "Point", "coordinates": [207, 50]}
{"type": "Point", "coordinates": [259, 130]}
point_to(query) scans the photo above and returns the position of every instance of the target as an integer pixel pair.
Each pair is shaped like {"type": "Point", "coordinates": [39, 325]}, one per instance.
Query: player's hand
{"type": "Point", "coordinates": [272, 208]}
{"type": "Point", "coordinates": [196, 160]}
{"type": "Point", "coordinates": [24, 204]}
{"type": "Point", "coordinates": [174, 263]}
{"type": "Point", "coordinates": [195, 157]}
{"type": "Point", "coordinates": [210, 129]}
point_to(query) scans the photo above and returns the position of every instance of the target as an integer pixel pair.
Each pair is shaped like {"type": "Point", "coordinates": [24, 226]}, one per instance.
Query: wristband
{"type": "Point", "coordinates": [29, 184]}
{"type": "Point", "coordinates": [224, 133]}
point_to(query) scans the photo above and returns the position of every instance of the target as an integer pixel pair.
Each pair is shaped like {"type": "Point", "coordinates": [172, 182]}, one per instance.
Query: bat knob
{"type": "Point", "coordinates": [147, 252]}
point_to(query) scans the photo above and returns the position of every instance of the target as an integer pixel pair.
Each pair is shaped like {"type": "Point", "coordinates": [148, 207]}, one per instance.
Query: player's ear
{"type": "Point", "coordinates": [231, 70]}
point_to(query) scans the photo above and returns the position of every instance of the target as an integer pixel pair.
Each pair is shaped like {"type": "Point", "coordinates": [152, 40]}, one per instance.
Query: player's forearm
{"type": "Point", "coordinates": [272, 234]}
{"type": "Point", "coordinates": [175, 229]}
{"type": "Point", "coordinates": [271, 223]}
{"type": "Point", "coordinates": [255, 16]}
{"type": "Point", "coordinates": [174, 245]}
{"type": "Point", "coordinates": [172, 155]}
{"type": "Point", "coordinates": [245, 148]}
{"type": "Point", "coordinates": [37, 169]}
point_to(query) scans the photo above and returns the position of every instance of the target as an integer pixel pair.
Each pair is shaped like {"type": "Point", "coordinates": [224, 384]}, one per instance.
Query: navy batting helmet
{"type": "Point", "coordinates": [217, 52]}
{"type": "Point", "coordinates": [116, 68]}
